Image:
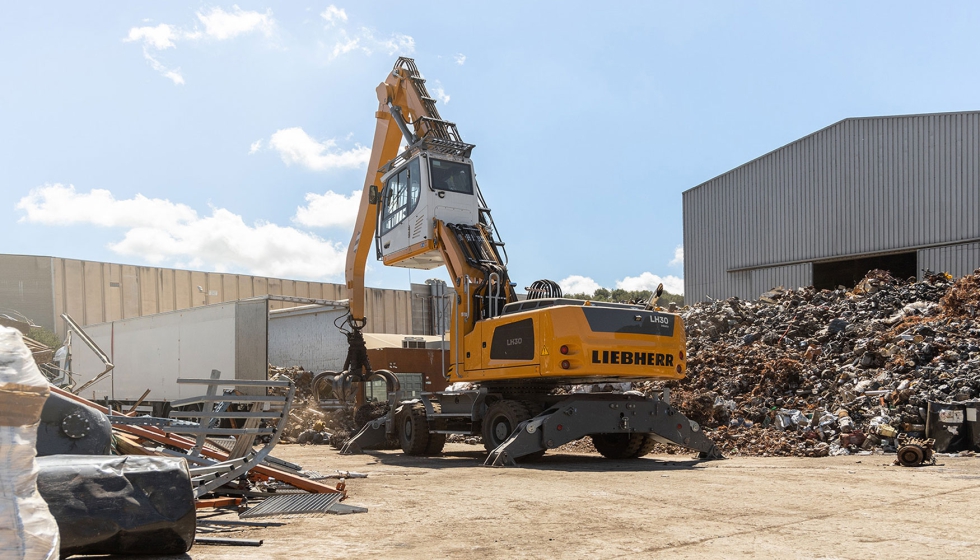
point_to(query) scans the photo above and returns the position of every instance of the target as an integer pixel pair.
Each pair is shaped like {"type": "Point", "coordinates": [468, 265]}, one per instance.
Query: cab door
{"type": "Point", "coordinates": [399, 205]}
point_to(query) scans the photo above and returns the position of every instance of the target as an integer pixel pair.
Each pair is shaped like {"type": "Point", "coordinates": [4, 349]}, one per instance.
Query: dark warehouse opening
{"type": "Point", "coordinates": [829, 275]}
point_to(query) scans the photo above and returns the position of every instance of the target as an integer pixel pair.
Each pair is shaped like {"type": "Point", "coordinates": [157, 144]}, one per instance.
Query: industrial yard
{"type": "Point", "coordinates": [574, 505]}
{"type": "Point", "coordinates": [716, 293]}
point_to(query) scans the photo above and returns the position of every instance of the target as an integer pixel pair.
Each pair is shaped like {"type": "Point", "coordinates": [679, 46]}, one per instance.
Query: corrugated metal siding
{"type": "Point", "coordinates": [859, 186]}
{"type": "Point", "coordinates": [958, 260]}
{"type": "Point", "coordinates": [308, 339]}
{"type": "Point", "coordinates": [251, 343]}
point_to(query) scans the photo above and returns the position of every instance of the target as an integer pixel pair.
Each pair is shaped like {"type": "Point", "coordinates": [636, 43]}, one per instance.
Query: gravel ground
{"type": "Point", "coordinates": [575, 505]}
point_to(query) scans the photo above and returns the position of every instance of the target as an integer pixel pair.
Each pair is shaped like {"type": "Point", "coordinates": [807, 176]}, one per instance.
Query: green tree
{"type": "Point", "coordinates": [620, 295]}
{"type": "Point", "coordinates": [45, 337]}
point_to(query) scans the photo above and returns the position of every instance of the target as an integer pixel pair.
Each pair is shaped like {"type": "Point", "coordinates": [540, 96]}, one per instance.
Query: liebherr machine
{"type": "Point", "coordinates": [422, 208]}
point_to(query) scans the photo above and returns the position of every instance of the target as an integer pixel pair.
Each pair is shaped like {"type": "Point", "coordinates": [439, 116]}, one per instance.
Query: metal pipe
{"type": "Point", "coordinates": [494, 293]}
{"type": "Point", "coordinates": [94, 347]}
{"type": "Point", "coordinates": [396, 114]}
{"type": "Point", "coordinates": [456, 337]}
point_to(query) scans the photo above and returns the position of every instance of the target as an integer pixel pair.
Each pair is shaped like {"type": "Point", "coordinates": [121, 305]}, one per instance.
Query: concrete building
{"type": "Point", "coordinates": [899, 193]}
{"type": "Point", "coordinates": [42, 288]}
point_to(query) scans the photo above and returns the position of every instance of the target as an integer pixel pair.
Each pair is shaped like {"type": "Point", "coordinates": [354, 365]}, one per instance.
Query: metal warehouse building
{"type": "Point", "coordinates": [899, 193]}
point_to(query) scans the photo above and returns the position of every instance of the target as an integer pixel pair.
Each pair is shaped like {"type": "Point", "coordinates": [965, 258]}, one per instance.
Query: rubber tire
{"type": "Point", "coordinates": [646, 447]}
{"type": "Point", "coordinates": [511, 412]}
{"type": "Point", "coordinates": [436, 441]}
{"type": "Point", "coordinates": [413, 431]}
{"type": "Point", "coordinates": [618, 445]}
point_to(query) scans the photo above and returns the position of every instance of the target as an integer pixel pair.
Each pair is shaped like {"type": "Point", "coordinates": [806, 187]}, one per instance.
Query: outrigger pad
{"type": "Point", "coordinates": [602, 413]}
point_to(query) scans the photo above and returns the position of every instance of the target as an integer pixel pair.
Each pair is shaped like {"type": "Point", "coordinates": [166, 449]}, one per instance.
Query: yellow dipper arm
{"type": "Point", "coordinates": [399, 92]}
{"type": "Point", "coordinates": [386, 140]}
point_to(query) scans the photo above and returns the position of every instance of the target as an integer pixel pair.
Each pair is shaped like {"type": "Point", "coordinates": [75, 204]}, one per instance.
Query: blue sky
{"type": "Point", "coordinates": [232, 137]}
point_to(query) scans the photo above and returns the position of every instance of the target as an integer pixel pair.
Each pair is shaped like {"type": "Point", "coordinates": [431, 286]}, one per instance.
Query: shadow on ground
{"type": "Point", "coordinates": [556, 461]}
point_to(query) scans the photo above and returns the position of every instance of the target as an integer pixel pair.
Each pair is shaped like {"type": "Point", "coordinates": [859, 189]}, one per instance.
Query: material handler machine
{"type": "Point", "coordinates": [422, 208]}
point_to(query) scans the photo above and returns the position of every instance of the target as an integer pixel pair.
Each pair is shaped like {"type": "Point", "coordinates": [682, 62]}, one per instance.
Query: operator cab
{"type": "Point", "coordinates": [428, 186]}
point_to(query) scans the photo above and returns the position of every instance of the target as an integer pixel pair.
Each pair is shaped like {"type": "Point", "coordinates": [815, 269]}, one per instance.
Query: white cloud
{"type": "Point", "coordinates": [173, 75]}
{"type": "Point", "coordinates": [218, 25]}
{"type": "Point", "coordinates": [345, 45]}
{"type": "Point", "coordinates": [440, 92]}
{"type": "Point", "coordinates": [678, 259]}
{"type": "Point", "coordinates": [334, 15]}
{"type": "Point", "coordinates": [58, 204]}
{"type": "Point", "coordinates": [296, 146]}
{"type": "Point", "coordinates": [221, 25]}
{"type": "Point", "coordinates": [161, 231]}
{"type": "Point", "coordinates": [160, 37]}
{"type": "Point", "coordinates": [578, 285]}
{"type": "Point", "coordinates": [365, 41]}
{"type": "Point", "coordinates": [460, 59]}
{"type": "Point", "coordinates": [328, 210]}
{"type": "Point", "coordinates": [399, 44]}
{"type": "Point", "coordinates": [649, 281]}
{"type": "Point", "coordinates": [255, 146]}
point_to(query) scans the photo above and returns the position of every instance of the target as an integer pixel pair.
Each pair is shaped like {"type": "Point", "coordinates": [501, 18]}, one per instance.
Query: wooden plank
{"type": "Point", "coordinates": [217, 502]}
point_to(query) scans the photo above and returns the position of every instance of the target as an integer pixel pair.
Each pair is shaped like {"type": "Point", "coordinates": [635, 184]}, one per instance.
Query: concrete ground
{"type": "Point", "coordinates": [576, 506]}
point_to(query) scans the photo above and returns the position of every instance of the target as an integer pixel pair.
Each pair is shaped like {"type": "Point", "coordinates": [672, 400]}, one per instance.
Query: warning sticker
{"type": "Point", "coordinates": [951, 416]}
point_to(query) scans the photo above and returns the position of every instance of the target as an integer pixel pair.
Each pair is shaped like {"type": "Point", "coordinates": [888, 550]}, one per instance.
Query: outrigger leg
{"type": "Point", "coordinates": [602, 413]}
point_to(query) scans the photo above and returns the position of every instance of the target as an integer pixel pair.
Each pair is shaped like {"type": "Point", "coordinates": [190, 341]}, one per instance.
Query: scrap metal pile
{"type": "Point", "coordinates": [308, 422]}
{"type": "Point", "coordinates": [810, 372]}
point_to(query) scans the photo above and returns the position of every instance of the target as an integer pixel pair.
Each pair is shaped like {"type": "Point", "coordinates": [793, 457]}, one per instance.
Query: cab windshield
{"type": "Point", "coordinates": [450, 176]}
{"type": "Point", "coordinates": [401, 195]}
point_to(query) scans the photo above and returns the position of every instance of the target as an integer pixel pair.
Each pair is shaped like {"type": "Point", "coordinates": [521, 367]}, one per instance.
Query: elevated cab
{"type": "Point", "coordinates": [427, 186]}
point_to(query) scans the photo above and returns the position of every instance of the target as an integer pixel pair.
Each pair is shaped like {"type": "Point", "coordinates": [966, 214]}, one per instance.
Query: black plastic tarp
{"type": "Point", "coordinates": [70, 427]}
{"type": "Point", "coordinates": [119, 504]}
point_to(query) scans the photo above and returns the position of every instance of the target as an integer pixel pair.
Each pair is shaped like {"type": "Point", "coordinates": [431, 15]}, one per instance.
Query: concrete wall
{"type": "Point", "coordinates": [43, 288]}
{"type": "Point", "coordinates": [26, 288]}
{"type": "Point", "coordinates": [858, 188]}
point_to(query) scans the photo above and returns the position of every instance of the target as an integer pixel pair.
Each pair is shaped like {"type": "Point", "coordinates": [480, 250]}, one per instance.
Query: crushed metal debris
{"type": "Point", "coordinates": [812, 373]}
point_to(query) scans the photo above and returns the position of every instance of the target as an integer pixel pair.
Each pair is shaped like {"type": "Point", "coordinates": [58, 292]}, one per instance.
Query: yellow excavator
{"type": "Point", "coordinates": [422, 208]}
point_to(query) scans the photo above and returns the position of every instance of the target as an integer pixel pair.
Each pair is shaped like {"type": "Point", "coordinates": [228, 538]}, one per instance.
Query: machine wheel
{"type": "Point", "coordinates": [436, 441]}
{"type": "Point", "coordinates": [413, 431]}
{"type": "Point", "coordinates": [646, 447]}
{"type": "Point", "coordinates": [910, 456]}
{"type": "Point", "coordinates": [501, 420]}
{"type": "Point", "coordinates": [619, 445]}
